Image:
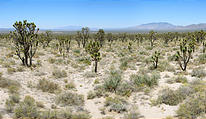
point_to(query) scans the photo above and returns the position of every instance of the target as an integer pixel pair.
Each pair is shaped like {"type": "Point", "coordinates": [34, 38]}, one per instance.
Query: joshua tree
{"type": "Point", "coordinates": [185, 53]}
{"type": "Point", "coordinates": [130, 47]}
{"type": "Point", "coordinates": [138, 38]}
{"type": "Point", "coordinates": [155, 58]}
{"type": "Point", "coordinates": [100, 36]}
{"type": "Point", "coordinates": [110, 39]}
{"type": "Point", "coordinates": [64, 44]}
{"type": "Point", "coordinates": [123, 37]}
{"type": "Point", "coordinates": [25, 41]}
{"type": "Point", "coordinates": [152, 37]}
{"type": "Point", "coordinates": [93, 49]}
{"type": "Point", "coordinates": [84, 36]}
{"type": "Point", "coordinates": [78, 38]}
{"type": "Point", "coordinates": [48, 37]}
{"type": "Point", "coordinates": [203, 45]}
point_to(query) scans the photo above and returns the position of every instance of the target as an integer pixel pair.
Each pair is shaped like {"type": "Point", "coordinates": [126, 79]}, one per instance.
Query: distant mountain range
{"type": "Point", "coordinates": [157, 26]}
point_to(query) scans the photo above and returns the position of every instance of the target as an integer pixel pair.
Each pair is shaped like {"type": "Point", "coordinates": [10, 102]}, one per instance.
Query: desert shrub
{"type": "Point", "coordinates": [47, 86]}
{"type": "Point", "coordinates": [27, 108]}
{"type": "Point", "coordinates": [113, 81]}
{"type": "Point", "coordinates": [49, 114]}
{"type": "Point", "coordinates": [174, 97]}
{"type": "Point", "coordinates": [65, 114]}
{"type": "Point", "coordinates": [84, 60]}
{"type": "Point", "coordinates": [172, 57]}
{"type": "Point", "coordinates": [51, 60]}
{"type": "Point", "coordinates": [145, 80]}
{"type": "Point", "coordinates": [198, 72]}
{"type": "Point", "coordinates": [70, 99]}
{"type": "Point", "coordinates": [9, 105]}
{"type": "Point", "coordinates": [40, 104]}
{"type": "Point", "coordinates": [181, 79]}
{"type": "Point", "coordinates": [14, 98]}
{"type": "Point", "coordinates": [20, 69]}
{"type": "Point", "coordinates": [124, 89]}
{"type": "Point", "coordinates": [99, 91]}
{"type": "Point", "coordinates": [132, 115]}
{"type": "Point", "coordinates": [124, 64]}
{"type": "Point", "coordinates": [81, 115]}
{"type": "Point", "coordinates": [90, 74]}
{"type": "Point", "coordinates": [8, 83]}
{"type": "Point", "coordinates": [13, 89]}
{"type": "Point", "coordinates": [202, 58]}
{"type": "Point", "coordinates": [59, 73]}
{"type": "Point", "coordinates": [193, 107]}
{"type": "Point", "coordinates": [169, 97]}
{"type": "Point", "coordinates": [70, 85]}
{"type": "Point", "coordinates": [116, 104]}
{"type": "Point", "coordinates": [91, 95]}
{"type": "Point", "coordinates": [11, 70]}
{"type": "Point", "coordinates": [165, 66]}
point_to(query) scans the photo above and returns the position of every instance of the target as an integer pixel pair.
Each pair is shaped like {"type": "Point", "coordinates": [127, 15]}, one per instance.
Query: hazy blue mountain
{"type": "Point", "coordinates": [157, 26]}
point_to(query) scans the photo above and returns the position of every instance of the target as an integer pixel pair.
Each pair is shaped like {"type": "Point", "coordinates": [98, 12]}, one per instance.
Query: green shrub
{"type": "Point", "coordinates": [202, 58]}
{"type": "Point", "coordinates": [81, 115]}
{"type": "Point", "coordinates": [169, 97]}
{"type": "Point", "coordinates": [8, 83]}
{"type": "Point", "coordinates": [193, 107]}
{"type": "Point", "coordinates": [145, 80]}
{"type": "Point", "coordinates": [40, 104]}
{"type": "Point", "coordinates": [90, 74]}
{"type": "Point", "coordinates": [9, 105]}
{"type": "Point", "coordinates": [27, 108]}
{"type": "Point", "coordinates": [132, 115]}
{"type": "Point", "coordinates": [124, 89]}
{"type": "Point", "coordinates": [59, 73]}
{"type": "Point", "coordinates": [70, 99]}
{"type": "Point", "coordinates": [47, 86]}
{"type": "Point", "coordinates": [91, 95]}
{"type": "Point", "coordinates": [15, 98]}
{"type": "Point", "coordinates": [51, 60]}
{"type": "Point", "coordinates": [172, 57]}
{"type": "Point", "coordinates": [174, 97]}
{"type": "Point", "coordinates": [124, 64]}
{"type": "Point", "coordinates": [113, 81]}
{"type": "Point", "coordinates": [49, 114]}
{"type": "Point", "coordinates": [70, 85]}
{"type": "Point", "coordinates": [181, 79]}
{"type": "Point", "coordinates": [84, 60]}
{"type": "Point", "coordinates": [116, 104]}
{"type": "Point", "coordinates": [198, 72]}
{"type": "Point", "coordinates": [11, 70]}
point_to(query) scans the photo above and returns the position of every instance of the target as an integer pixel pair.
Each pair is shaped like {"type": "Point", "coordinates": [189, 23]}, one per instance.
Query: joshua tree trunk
{"type": "Point", "coordinates": [95, 70]}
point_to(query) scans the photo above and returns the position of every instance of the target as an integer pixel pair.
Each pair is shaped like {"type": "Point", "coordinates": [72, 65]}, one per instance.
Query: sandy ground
{"type": "Point", "coordinates": [84, 85]}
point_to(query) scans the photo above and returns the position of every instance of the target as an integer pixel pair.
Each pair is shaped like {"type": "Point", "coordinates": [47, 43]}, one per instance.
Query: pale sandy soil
{"type": "Point", "coordinates": [84, 85]}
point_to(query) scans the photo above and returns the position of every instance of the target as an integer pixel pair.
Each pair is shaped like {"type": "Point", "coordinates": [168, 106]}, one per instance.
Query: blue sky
{"type": "Point", "coordinates": [101, 13]}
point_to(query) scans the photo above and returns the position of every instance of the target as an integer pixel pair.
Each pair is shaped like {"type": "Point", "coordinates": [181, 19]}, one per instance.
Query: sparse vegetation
{"type": "Point", "coordinates": [69, 99]}
{"type": "Point", "coordinates": [48, 86]}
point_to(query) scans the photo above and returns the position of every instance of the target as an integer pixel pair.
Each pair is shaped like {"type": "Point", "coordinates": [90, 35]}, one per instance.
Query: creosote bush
{"type": "Point", "coordinates": [174, 97]}
{"type": "Point", "coordinates": [47, 86]}
{"type": "Point", "coordinates": [70, 99]}
{"type": "Point", "coordinates": [27, 108]}
{"type": "Point", "coordinates": [116, 104]}
{"type": "Point", "coordinates": [59, 73]}
{"type": "Point", "coordinates": [193, 107]}
{"type": "Point", "coordinates": [144, 79]}
{"type": "Point", "coordinates": [198, 72]}
{"type": "Point", "coordinates": [113, 81]}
